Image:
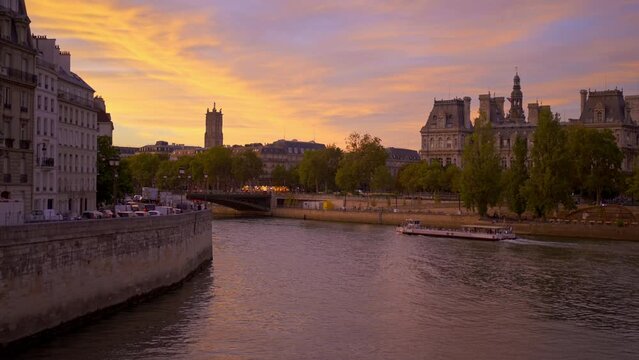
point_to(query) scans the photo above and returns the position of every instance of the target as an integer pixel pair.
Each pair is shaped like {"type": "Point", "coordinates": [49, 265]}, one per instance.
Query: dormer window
{"type": "Point", "coordinates": [600, 113]}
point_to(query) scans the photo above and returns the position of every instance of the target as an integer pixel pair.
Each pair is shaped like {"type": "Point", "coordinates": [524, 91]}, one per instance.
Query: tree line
{"type": "Point", "coordinates": [551, 170]}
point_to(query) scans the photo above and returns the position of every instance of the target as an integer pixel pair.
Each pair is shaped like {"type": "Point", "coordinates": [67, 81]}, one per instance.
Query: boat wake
{"type": "Point", "coordinates": [523, 241]}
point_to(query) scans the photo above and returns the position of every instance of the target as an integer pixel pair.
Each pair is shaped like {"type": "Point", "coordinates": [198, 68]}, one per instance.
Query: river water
{"type": "Point", "coordinates": [286, 289]}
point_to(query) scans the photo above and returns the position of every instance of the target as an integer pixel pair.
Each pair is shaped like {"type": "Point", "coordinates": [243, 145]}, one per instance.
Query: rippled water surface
{"type": "Point", "coordinates": [284, 289]}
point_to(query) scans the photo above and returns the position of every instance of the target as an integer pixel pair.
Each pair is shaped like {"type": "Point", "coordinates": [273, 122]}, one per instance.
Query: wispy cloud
{"type": "Point", "coordinates": [322, 69]}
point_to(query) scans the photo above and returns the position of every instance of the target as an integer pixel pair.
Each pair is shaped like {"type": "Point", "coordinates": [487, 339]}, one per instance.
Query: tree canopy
{"type": "Point", "coordinates": [481, 175]}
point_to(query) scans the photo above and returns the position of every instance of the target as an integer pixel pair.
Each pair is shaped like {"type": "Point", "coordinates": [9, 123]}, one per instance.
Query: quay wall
{"type": "Point", "coordinates": [583, 231]}
{"type": "Point", "coordinates": [55, 273]}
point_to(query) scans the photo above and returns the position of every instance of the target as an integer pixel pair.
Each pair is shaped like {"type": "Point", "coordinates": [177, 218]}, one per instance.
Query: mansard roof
{"type": "Point", "coordinates": [611, 102]}
{"type": "Point", "coordinates": [448, 114]}
{"type": "Point", "coordinates": [402, 154]}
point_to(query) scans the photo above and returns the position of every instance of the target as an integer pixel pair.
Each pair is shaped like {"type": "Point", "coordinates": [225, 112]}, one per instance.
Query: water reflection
{"type": "Point", "coordinates": [288, 290]}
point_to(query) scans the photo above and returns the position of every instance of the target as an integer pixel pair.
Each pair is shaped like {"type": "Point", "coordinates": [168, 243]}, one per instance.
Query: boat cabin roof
{"type": "Point", "coordinates": [487, 227]}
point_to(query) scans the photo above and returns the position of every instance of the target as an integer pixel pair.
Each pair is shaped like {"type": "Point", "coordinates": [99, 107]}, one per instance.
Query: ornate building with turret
{"type": "Point", "coordinates": [507, 126]}
{"type": "Point", "coordinates": [214, 121]}
{"type": "Point", "coordinates": [446, 129]}
{"type": "Point", "coordinates": [610, 110]}
{"type": "Point", "coordinates": [448, 126]}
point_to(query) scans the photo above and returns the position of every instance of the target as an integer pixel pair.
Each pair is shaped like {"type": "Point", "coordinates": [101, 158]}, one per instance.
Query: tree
{"type": "Point", "coordinates": [633, 183]}
{"type": "Point", "coordinates": [106, 172]}
{"type": "Point", "coordinates": [382, 180]}
{"type": "Point", "coordinates": [480, 178]}
{"type": "Point", "coordinates": [597, 160]}
{"type": "Point", "coordinates": [516, 177]}
{"type": "Point", "coordinates": [410, 176]}
{"type": "Point", "coordinates": [550, 173]}
{"type": "Point", "coordinates": [144, 168]}
{"type": "Point", "coordinates": [246, 167]}
{"type": "Point", "coordinates": [218, 163]}
{"type": "Point", "coordinates": [365, 154]}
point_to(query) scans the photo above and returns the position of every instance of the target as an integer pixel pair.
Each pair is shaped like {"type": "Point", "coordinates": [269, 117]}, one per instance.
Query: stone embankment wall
{"type": "Point", "coordinates": [54, 273]}
{"type": "Point", "coordinates": [583, 231]}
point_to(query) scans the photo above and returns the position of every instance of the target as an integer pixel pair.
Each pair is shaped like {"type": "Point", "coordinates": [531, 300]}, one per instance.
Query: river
{"type": "Point", "coordinates": [288, 289]}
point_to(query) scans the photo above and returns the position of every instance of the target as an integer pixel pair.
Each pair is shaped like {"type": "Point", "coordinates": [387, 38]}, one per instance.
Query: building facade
{"type": "Point", "coordinates": [17, 88]}
{"type": "Point", "coordinates": [163, 147]}
{"type": "Point", "coordinates": [508, 126]}
{"type": "Point", "coordinates": [286, 153]}
{"type": "Point", "coordinates": [105, 125]}
{"type": "Point", "coordinates": [45, 175]}
{"type": "Point", "coordinates": [78, 128]}
{"type": "Point", "coordinates": [398, 158]}
{"type": "Point", "coordinates": [610, 110]}
{"type": "Point", "coordinates": [446, 130]}
{"type": "Point", "coordinates": [213, 136]}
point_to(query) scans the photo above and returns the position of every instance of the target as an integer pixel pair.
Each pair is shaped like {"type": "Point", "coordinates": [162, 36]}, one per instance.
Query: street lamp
{"type": "Point", "coordinates": [206, 180]}
{"type": "Point", "coordinates": [114, 163]}
{"type": "Point", "coordinates": [180, 176]}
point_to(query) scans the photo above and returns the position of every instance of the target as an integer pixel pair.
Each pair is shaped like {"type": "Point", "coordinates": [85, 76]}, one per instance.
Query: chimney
{"type": "Point", "coordinates": [533, 113]}
{"type": "Point", "coordinates": [584, 97]}
{"type": "Point", "coordinates": [64, 60]}
{"type": "Point", "coordinates": [467, 123]}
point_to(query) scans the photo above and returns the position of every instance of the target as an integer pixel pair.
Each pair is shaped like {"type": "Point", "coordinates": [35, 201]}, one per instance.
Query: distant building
{"type": "Point", "coordinates": [126, 151]}
{"type": "Point", "coordinates": [448, 126]}
{"type": "Point", "coordinates": [609, 110]}
{"type": "Point", "coordinates": [398, 158]}
{"type": "Point", "coordinates": [163, 147]}
{"type": "Point", "coordinates": [446, 130]}
{"type": "Point", "coordinates": [214, 122]}
{"type": "Point", "coordinates": [105, 125]}
{"type": "Point", "coordinates": [287, 153]}
{"type": "Point", "coordinates": [177, 154]}
{"type": "Point", "coordinates": [508, 126]}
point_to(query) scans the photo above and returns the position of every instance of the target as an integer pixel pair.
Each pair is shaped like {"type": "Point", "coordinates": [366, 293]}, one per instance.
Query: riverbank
{"type": "Point", "coordinates": [57, 274]}
{"type": "Point", "coordinates": [564, 230]}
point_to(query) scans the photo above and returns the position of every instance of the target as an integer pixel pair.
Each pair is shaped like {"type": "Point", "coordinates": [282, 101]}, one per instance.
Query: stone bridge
{"type": "Point", "coordinates": [237, 201]}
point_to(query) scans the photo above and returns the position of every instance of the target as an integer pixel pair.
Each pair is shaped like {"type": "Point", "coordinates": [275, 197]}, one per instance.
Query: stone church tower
{"type": "Point", "coordinates": [214, 121]}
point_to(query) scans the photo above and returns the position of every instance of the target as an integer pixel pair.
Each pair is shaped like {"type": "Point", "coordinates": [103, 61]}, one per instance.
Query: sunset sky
{"type": "Point", "coordinates": [322, 69]}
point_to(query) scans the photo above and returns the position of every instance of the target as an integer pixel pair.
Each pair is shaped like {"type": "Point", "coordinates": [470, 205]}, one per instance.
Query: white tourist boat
{"type": "Point", "coordinates": [475, 232]}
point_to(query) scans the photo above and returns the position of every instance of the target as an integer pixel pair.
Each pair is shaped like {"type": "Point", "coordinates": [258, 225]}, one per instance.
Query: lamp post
{"type": "Point", "coordinates": [180, 175]}
{"type": "Point", "coordinates": [114, 163]}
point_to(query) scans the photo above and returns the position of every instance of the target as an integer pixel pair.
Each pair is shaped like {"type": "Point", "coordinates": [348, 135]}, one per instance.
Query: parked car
{"type": "Point", "coordinates": [91, 215]}
{"type": "Point", "coordinates": [154, 213]}
{"type": "Point", "coordinates": [126, 214]}
{"type": "Point", "coordinates": [107, 214]}
{"type": "Point", "coordinates": [141, 213]}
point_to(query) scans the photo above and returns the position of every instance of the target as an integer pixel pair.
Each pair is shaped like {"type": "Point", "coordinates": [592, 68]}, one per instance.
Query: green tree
{"type": "Point", "coordinates": [365, 154]}
{"type": "Point", "coordinates": [144, 168]}
{"type": "Point", "coordinates": [106, 172]}
{"type": "Point", "coordinates": [281, 176]}
{"type": "Point", "coordinates": [550, 173]}
{"type": "Point", "coordinates": [633, 183]}
{"type": "Point", "coordinates": [318, 168]}
{"type": "Point", "coordinates": [246, 168]}
{"type": "Point", "coordinates": [410, 176]}
{"type": "Point", "coordinates": [480, 178]}
{"type": "Point", "coordinates": [382, 180]}
{"type": "Point", "coordinates": [218, 164]}
{"type": "Point", "coordinates": [597, 160]}
{"type": "Point", "coordinates": [515, 178]}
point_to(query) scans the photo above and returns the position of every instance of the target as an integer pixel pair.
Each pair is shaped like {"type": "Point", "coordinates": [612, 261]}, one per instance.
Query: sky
{"type": "Point", "coordinates": [306, 69]}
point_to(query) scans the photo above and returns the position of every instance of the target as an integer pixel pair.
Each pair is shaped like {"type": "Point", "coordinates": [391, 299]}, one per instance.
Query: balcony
{"type": "Point", "coordinates": [22, 76]}
{"type": "Point", "coordinates": [6, 178]}
{"type": "Point", "coordinates": [24, 178]}
{"type": "Point", "coordinates": [8, 142]}
{"type": "Point", "coordinates": [66, 96]}
{"type": "Point", "coordinates": [46, 163]}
